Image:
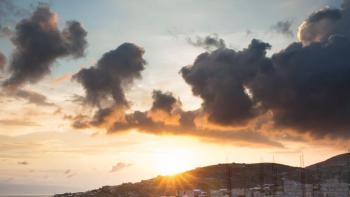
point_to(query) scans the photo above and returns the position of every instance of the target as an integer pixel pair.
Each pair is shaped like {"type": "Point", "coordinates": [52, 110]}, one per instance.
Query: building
{"type": "Point", "coordinates": [290, 188]}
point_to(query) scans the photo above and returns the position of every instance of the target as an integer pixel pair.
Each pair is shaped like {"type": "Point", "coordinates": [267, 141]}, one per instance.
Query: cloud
{"type": "Point", "coordinates": [284, 27]}
{"type": "Point", "coordinates": [9, 11]}
{"type": "Point", "coordinates": [111, 75]}
{"type": "Point", "coordinates": [17, 122]}
{"type": "Point", "coordinates": [32, 97]}
{"type": "Point", "coordinates": [106, 82]}
{"type": "Point", "coordinates": [75, 98]}
{"type": "Point", "coordinates": [24, 163]}
{"type": "Point", "coordinates": [69, 173]}
{"type": "Point", "coordinates": [248, 97]}
{"type": "Point", "coordinates": [2, 61]}
{"type": "Point", "coordinates": [304, 86]}
{"type": "Point", "coordinates": [209, 42]}
{"type": "Point", "coordinates": [163, 101]}
{"type": "Point", "coordinates": [120, 166]}
{"type": "Point", "coordinates": [166, 117]}
{"type": "Point", "coordinates": [61, 79]}
{"type": "Point", "coordinates": [219, 78]}
{"type": "Point", "coordinates": [38, 43]}
{"type": "Point", "coordinates": [176, 121]}
{"type": "Point", "coordinates": [187, 119]}
{"type": "Point", "coordinates": [5, 32]}
{"type": "Point", "coordinates": [319, 26]}
{"type": "Point", "coordinates": [80, 121]}
{"type": "Point", "coordinates": [27, 95]}
{"type": "Point", "coordinates": [145, 123]}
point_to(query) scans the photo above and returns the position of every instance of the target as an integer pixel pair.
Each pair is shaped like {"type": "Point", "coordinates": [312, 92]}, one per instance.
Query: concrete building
{"type": "Point", "coordinates": [334, 188]}
{"type": "Point", "coordinates": [290, 188]}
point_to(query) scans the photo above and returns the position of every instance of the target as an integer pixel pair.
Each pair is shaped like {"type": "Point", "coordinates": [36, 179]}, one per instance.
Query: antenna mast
{"type": "Point", "coordinates": [302, 175]}
{"type": "Point", "coordinates": [228, 179]}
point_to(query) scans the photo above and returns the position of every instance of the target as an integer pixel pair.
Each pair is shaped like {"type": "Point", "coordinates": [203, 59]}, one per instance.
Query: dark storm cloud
{"type": "Point", "coordinates": [326, 22]}
{"type": "Point", "coordinates": [319, 26]}
{"type": "Point", "coordinates": [209, 42]}
{"type": "Point", "coordinates": [2, 61]}
{"type": "Point", "coordinates": [106, 81]}
{"type": "Point", "coordinates": [137, 119]}
{"type": "Point", "coordinates": [308, 87]}
{"type": "Point", "coordinates": [175, 121]}
{"type": "Point", "coordinates": [187, 119]}
{"type": "Point", "coordinates": [346, 4]}
{"type": "Point", "coordinates": [219, 78]}
{"type": "Point", "coordinates": [112, 73]}
{"type": "Point", "coordinates": [38, 43]}
{"type": "Point", "coordinates": [305, 86]}
{"type": "Point", "coordinates": [283, 27]}
{"type": "Point", "coordinates": [75, 35]}
{"type": "Point", "coordinates": [144, 123]}
{"type": "Point", "coordinates": [163, 101]}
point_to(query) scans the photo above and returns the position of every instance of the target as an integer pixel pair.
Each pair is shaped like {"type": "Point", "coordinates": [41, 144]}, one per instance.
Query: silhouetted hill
{"type": "Point", "coordinates": [335, 167]}
{"type": "Point", "coordinates": [337, 161]}
{"type": "Point", "coordinates": [216, 177]}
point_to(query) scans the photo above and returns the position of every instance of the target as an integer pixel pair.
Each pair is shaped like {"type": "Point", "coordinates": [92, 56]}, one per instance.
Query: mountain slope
{"type": "Point", "coordinates": [335, 167]}
{"type": "Point", "coordinates": [217, 176]}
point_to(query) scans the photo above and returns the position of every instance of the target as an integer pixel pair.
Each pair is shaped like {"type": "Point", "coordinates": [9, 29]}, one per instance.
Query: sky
{"type": "Point", "coordinates": [98, 93]}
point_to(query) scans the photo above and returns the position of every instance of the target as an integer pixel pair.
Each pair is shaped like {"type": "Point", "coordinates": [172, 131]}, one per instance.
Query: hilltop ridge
{"type": "Point", "coordinates": [242, 176]}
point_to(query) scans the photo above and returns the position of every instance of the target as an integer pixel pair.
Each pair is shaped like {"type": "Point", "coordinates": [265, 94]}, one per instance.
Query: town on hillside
{"type": "Point", "coordinates": [330, 178]}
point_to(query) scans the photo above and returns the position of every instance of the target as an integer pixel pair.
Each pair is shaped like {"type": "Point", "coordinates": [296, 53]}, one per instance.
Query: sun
{"type": "Point", "coordinates": [173, 161]}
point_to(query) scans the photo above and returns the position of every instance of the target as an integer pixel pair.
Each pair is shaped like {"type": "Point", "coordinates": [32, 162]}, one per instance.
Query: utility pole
{"type": "Point", "coordinates": [244, 180]}
{"type": "Point", "coordinates": [301, 171]}
{"type": "Point", "coordinates": [316, 185]}
{"type": "Point", "coordinates": [228, 179]}
{"type": "Point", "coordinates": [302, 175]}
{"type": "Point", "coordinates": [273, 176]}
{"type": "Point", "coordinates": [274, 179]}
{"type": "Point", "coordinates": [261, 177]}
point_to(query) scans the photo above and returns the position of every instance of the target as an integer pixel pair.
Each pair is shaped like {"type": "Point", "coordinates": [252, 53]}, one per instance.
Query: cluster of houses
{"type": "Point", "coordinates": [329, 188]}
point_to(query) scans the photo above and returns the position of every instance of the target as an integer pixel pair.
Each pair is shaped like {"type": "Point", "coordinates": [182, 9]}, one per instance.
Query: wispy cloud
{"type": "Point", "coordinates": [18, 122]}
{"type": "Point", "coordinates": [120, 166]}
{"type": "Point", "coordinates": [284, 27]}
{"type": "Point", "coordinates": [24, 163]}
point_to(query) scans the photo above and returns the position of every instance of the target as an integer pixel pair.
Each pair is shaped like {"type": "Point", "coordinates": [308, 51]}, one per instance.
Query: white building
{"type": "Point", "coordinates": [329, 188]}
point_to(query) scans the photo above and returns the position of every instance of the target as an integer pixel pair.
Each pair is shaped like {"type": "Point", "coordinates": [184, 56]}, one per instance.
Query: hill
{"type": "Point", "coordinates": [217, 176]}
{"type": "Point", "coordinates": [335, 167]}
